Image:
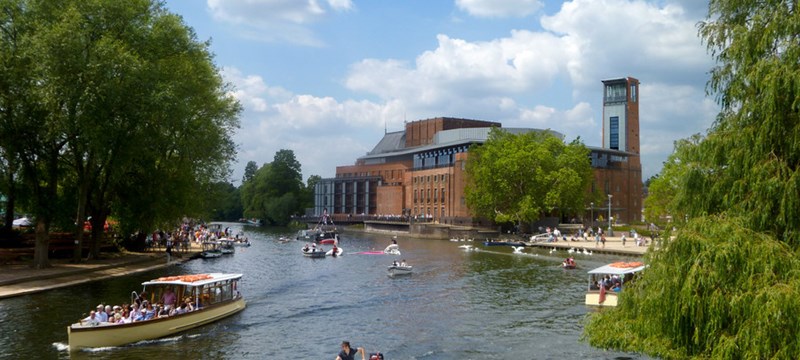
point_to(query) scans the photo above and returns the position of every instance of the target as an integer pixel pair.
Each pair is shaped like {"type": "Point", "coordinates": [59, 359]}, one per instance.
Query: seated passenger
{"type": "Point", "coordinates": [91, 320]}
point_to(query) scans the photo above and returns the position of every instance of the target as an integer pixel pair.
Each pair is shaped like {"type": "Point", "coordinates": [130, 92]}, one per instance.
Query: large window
{"type": "Point", "coordinates": [613, 140]}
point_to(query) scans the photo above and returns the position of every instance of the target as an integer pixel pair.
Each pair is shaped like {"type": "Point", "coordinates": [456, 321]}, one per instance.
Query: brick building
{"type": "Point", "coordinates": [421, 170]}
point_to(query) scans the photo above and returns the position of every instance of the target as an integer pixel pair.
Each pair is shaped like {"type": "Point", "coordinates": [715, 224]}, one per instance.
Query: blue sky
{"type": "Point", "coordinates": [325, 78]}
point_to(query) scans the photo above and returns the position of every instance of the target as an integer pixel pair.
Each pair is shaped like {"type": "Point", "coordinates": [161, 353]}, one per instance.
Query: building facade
{"type": "Point", "coordinates": [420, 171]}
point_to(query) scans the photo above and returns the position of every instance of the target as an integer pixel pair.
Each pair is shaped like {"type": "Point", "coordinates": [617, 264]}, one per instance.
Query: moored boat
{"type": "Point", "coordinates": [226, 246]}
{"type": "Point", "coordinates": [607, 281]}
{"type": "Point", "coordinates": [213, 297]}
{"type": "Point", "coordinates": [210, 250]}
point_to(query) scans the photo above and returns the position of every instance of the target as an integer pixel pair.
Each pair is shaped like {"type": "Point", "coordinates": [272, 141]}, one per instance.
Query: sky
{"type": "Point", "coordinates": [327, 78]}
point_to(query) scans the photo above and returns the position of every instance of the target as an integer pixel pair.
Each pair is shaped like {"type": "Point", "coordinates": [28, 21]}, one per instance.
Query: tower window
{"type": "Point", "coordinates": [613, 139]}
{"type": "Point", "coordinates": [633, 92]}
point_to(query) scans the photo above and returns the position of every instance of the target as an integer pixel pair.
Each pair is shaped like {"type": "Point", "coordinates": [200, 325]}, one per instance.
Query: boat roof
{"type": "Point", "coordinates": [212, 278]}
{"type": "Point", "coordinates": [616, 270]}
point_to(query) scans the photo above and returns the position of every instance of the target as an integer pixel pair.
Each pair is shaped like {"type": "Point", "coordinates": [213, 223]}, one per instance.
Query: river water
{"type": "Point", "coordinates": [487, 304]}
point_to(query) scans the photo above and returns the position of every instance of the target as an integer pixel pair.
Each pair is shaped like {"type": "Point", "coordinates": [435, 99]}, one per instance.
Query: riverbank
{"type": "Point", "coordinates": [20, 279]}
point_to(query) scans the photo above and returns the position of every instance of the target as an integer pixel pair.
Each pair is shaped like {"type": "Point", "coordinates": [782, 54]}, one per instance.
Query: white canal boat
{"type": "Point", "coordinates": [213, 297]}
{"type": "Point", "coordinates": [607, 281]}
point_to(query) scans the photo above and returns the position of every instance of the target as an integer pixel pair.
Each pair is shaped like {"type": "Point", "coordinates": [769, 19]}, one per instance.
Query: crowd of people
{"type": "Point", "coordinates": [140, 310]}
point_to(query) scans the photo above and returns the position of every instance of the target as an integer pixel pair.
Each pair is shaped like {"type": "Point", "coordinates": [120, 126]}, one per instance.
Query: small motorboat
{"type": "Point", "coordinates": [568, 263]}
{"type": "Point", "coordinates": [399, 270]}
{"type": "Point", "coordinates": [211, 250]}
{"type": "Point", "coordinates": [339, 252]}
{"type": "Point", "coordinates": [226, 246]}
{"type": "Point", "coordinates": [313, 252]}
{"type": "Point", "coordinates": [392, 249]}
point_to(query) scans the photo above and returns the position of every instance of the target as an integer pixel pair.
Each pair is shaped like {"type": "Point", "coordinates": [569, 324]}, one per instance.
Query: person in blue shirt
{"type": "Point", "coordinates": [348, 353]}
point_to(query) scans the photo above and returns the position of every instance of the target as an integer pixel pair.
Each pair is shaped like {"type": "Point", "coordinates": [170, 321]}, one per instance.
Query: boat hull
{"type": "Point", "coordinates": [399, 270]}
{"type": "Point", "coordinates": [593, 298]}
{"type": "Point", "coordinates": [122, 334]}
{"type": "Point", "coordinates": [314, 254]}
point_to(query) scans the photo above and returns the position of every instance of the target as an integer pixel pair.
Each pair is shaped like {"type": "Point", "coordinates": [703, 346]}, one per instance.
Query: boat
{"type": "Point", "coordinates": [328, 237]}
{"type": "Point", "coordinates": [399, 270]}
{"type": "Point", "coordinates": [392, 249]}
{"type": "Point", "coordinates": [255, 222]}
{"type": "Point", "coordinates": [210, 250]}
{"type": "Point", "coordinates": [226, 246]}
{"type": "Point", "coordinates": [618, 273]}
{"type": "Point", "coordinates": [313, 252]}
{"type": "Point", "coordinates": [568, 263]}
{"type": "Point", "coordinates": [241, 240]}
{"type": "Point", "coordinates": [339, 252]}
{"type": "Point", "coordinates": [213, 297]}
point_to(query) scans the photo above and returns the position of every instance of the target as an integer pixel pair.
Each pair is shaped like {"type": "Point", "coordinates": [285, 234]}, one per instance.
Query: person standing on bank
{"type": "Point", "coordinates": [348, 353]}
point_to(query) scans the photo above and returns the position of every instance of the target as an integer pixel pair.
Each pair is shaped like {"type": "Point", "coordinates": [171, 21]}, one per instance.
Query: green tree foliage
{"type": "Point", "coordinates": [249, 171]}
{"type": "Point", "coordinates": [225, 202]}
{"type": "Point", "coordinates": [727, 286]}
{"type": "Point", "coordinates": [520, 177]}
{"type": "Point", "coordinates": [719, 291]}
{"type": "Point", "coordinates": [308, 193]}
{"type": "Point", "coordinates": [275, 191]}
{"type": "Point", "coordinates": [128, 111]}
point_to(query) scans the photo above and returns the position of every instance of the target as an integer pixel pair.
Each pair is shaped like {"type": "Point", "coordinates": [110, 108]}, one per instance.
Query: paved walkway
{"type": "Point", "coordinates": [21, 279]}
{"type": "Point", "coordinates": [613, 246]}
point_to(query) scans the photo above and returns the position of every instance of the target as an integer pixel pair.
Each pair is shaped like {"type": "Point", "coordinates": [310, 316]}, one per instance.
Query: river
{"type": "Point", "coordinates": [488, 304]}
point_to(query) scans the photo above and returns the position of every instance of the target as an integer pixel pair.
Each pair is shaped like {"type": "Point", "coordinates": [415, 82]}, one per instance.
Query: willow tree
{"type": "Point", "coordinates": [727, 286]}
{"type": "Point", "coordinates": [520, 177]}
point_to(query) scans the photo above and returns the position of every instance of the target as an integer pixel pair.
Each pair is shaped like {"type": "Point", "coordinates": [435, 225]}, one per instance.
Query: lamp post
{"type": "Point", "coordinates": [610, 232]}
{"type": "Point", "coordinates": [591, 224]}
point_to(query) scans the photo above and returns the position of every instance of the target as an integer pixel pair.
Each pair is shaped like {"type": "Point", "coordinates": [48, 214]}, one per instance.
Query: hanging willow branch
{"type": "Point", "coordinates": [718, 291]}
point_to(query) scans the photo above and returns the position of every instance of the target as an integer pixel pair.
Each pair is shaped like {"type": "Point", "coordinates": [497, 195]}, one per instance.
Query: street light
{"type": "Point", "coordinates": [591, 224]}
{"type": "Point", "coordinates": [610, 232]}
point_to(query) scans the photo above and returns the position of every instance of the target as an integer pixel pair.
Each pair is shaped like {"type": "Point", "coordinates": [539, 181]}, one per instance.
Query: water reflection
{"type": "Point", "coordinates": [456, 305]}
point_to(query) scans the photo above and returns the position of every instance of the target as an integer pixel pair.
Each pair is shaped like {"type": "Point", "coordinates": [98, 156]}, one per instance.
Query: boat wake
{"type": "Point", "coordinates": [65, 347]}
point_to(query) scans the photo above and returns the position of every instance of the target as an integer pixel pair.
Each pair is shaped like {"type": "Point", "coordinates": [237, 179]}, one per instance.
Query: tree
{"type": "Point", "coordinates": [726, 286]}
{"type": "Point", "coordinates": [520, 177]}
{"type": "Point", "coordinates": [121, 103]}
{"type": "Point", "coordinates": [249, 171]}
{"type": "Point", "coordinates": [274, 192]}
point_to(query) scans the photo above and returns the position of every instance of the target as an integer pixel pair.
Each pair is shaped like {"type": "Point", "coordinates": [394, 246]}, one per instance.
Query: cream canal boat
{"type": "Point", "coordinates": [213, 297]}
{"type": "Point", "coordinates": [607, 281]}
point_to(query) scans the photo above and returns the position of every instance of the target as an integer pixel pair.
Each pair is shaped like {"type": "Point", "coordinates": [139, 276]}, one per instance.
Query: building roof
{"type": "Point", "coordinates": [393, 144]}
{"type": "Point", "coordinates": [393, 141]}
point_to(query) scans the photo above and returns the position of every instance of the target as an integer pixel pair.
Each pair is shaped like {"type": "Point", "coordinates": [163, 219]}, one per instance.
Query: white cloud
{"type": "Point", "coordinates": [499, 8]}
{"type": "Point", "coordinates": [514, 79]}
{"type": "Point", "coordinates": [275, 20]}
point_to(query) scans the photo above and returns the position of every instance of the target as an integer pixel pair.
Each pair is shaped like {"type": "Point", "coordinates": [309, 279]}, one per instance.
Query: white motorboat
{"type": "Point", "coordinates": [213, 297]}
{"type": "Point", "coordinates": [392, 249]}
{"type": "Point", "coordinates": [211, 250]}
{"type": "Point", "coordinates": [618, 274]}
{"type": "Point", "coordinates": [226, 246]}
{"type": "Point", "coordinates": [313, 252]}
{"type": "Point", "coordinates": [399, 270]}
{"type": "Point", "coordinates": [339, 252]}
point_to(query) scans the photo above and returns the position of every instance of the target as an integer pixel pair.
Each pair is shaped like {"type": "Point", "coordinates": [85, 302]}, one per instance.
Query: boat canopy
{"type": "Point", "coordinates": [184, 280]}
{"type": "Point", "coordinates": [617, 270]}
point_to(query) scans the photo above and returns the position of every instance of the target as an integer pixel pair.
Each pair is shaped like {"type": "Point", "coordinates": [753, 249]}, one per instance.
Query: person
{"type": "Point", "coordinates": [403, 263]}
{"type": "Point", "coordinates": [313, 247]}
{"type": "Point", "coordinates": [306, 248]}
{"type": "Point", "coordinates": [168, 299]}
{"type": "Point", "coordinates": [347, 353]}
{"type": "Point", "coordinates": [101, 313]}
{"type": "Point", "coordinates": [169, 250]}
{"type": "Point", "coordinates": [92, 319]}
{"type": "Point", "coordinates": [623, 239]}
{"type": "Point", "coordinates": [394, 263]}
{"type": "Point", "coordinates": [334, 250]}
